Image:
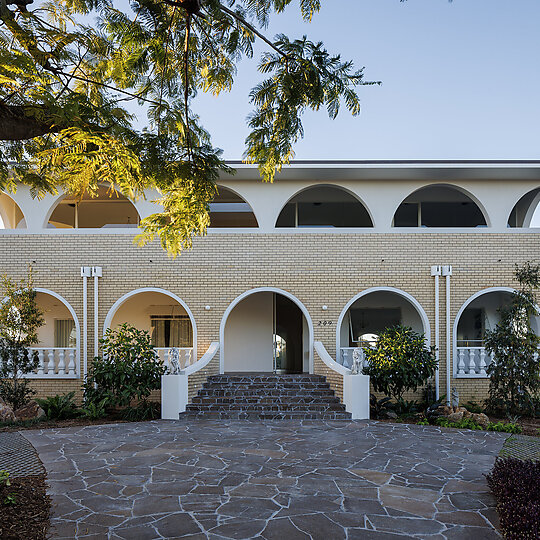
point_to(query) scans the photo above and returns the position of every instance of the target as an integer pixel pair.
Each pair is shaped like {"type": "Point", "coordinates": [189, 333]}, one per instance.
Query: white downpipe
{"type": "Point", "coordinates": [436, 272]}
{"type": "Point", "coordinates": [447, 271]}
{"type": "Point", "coordinates": [96, 273]}
{"type": "Point", "coordinates": [85, 274]}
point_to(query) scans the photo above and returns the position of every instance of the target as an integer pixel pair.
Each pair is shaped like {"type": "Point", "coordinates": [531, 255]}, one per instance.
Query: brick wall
{"type": "Point", "coordinates": [317, 268]}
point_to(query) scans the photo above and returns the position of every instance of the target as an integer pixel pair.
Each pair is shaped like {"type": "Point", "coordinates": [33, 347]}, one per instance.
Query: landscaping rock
{"type": "Point", "coordinates": [29, 411]}
{"type": "Point", "coordinates": [455, 417]}
{"type": "Point", "coordinates": [481, 419]}
{"type": "Point", "coordinates": [6, 412]}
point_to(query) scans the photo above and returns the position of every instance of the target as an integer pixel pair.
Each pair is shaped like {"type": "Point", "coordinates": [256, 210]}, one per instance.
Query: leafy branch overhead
{"type": "Point", "coordinates": [68, 85]}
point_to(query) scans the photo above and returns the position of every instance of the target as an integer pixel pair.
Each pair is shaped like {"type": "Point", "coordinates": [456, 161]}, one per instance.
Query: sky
{"type": "Point", "coordinates": [460, 80]}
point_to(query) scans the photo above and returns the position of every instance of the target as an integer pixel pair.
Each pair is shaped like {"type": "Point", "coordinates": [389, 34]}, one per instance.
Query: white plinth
{"type": "Point", "coordinates": [356, 396]}
{"type": "Point", "coordinates": [174, 396]}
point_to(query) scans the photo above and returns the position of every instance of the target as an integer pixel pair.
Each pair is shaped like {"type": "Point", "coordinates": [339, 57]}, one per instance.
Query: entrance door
{"type": "Point", "coordinates": [264, 333]}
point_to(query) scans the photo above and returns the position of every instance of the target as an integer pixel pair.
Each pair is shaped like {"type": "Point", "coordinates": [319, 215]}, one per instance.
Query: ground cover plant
{"type": "Point", "coordinates": [516, 486]}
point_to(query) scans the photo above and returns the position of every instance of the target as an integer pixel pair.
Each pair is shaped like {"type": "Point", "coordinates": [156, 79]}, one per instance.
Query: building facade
{"type": "Point", "coordinates": [292, 276]}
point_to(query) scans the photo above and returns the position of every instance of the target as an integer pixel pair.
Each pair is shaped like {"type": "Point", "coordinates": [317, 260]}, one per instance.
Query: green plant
{"type": "Point", "coordinates": [59, 407]}
{"type": "Point", "coordinates": [505, 427]}
{"type": "Point", "coordinates": [400, 361]}
{"type": "Point", "coordinates": [93, 410]}
{"type": "Point", "coordinates": [144, 410]}
{"type": "Point", "coordinates": [465, 423]}
{"type": "Point", "coordinates": [129, 369]}
{"type": "Point", "coordinates": [404, 407]}
{"type": "Point", "coordinates": [423, 422]}
{"type": "Point", "coordinates": [20, 318]}
{"type": "Point", "coordinates": [379, 407]}
{"type": "Point", "coordinates": [474, 407]}
{"type": "Point", "coordinates": [4, 478]}
{"type": "Point", "coordinates": [10, 499]}
{"type": "Point", "coordinates": [515, 371]}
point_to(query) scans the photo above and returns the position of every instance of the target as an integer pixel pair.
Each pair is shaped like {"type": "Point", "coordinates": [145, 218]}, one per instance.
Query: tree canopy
{"type": "Point", "coordinates": [66, 85]}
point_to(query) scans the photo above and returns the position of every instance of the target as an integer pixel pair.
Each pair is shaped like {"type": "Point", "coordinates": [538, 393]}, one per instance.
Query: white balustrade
{"type": "Point", "coordinates": [186, 356]}
{"type": "Point", "coordinates": [472, 362]}
{"type": "Point", "coordinates": [346, 359]}
{"type": "Point", "coordinates": [52, 363]}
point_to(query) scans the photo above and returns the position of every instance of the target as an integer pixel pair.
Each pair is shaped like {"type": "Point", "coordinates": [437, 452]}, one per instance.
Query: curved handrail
{"type": "Point", "coordinates": [328, 360]}
{"type": "Point", "coordinates": [204, 361]}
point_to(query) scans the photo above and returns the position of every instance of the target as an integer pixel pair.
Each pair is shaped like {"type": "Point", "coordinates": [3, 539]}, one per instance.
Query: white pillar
{"type": "Point", "coordinates": [436, 272]}
{"type": "Point", "coordinates": [86, 272]}
{"type": "Point", "coordinates": [97, 272]}
{"type": "Point", "coordinates": [447, 271]}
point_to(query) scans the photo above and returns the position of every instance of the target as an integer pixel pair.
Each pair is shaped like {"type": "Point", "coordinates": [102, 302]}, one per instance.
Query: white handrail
{"type": "Point", "coordinates": [328, 360]}
{"type": "Point", "coordinates": [204, 361]}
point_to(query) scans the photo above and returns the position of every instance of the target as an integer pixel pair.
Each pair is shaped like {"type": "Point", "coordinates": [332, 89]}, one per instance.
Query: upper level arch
{"type": "Point", "coordinates": [231, 210]}
{"type": "Point", "coordinates": [324, 206]}
{"type": "Point", "coordinates": [440, 205]}
{"type": "Point", "coordinates": [10, 213]}
{"type": "Point", "coordinates": [525, 209]}
{"type": "Point", "coordinates": [106, 209]}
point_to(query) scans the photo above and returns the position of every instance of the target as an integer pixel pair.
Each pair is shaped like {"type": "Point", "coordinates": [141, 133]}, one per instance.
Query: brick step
{"type": "Point", "coordinates": [214, 415]}
{"type": "Point", "coordinates": [264, 400]}
{"type": "Point", "coordinates": [274, 408]}
{"type": "Point", "coordinates": [266, 386]}
{"type": "Point", "coordinates": [267, 378]}
{"type": "Point", "coordinates": [268, 392]}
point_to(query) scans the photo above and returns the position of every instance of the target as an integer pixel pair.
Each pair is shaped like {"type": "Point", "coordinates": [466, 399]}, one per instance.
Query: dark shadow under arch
{"type": "Point", "coordinates": [524, 209]}
{"type": "Point", "coordinates": [230, 210]}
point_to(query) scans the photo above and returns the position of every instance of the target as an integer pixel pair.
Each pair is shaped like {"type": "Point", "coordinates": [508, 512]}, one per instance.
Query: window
{"type": "Point", "coordinates": [65, 334]}
{"type": "Point", "coordinates": [371, 321]}
{"type": "Point", "coordinates": [472, 328]}
{"type": "Point", "coordinates": [171, 331]}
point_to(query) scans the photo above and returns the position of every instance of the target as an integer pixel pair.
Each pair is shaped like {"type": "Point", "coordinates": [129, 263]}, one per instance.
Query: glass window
{"type": "Point", "coordinates": [64, 333]}
{"type": "Point", "coordinates": [171, 331]}
{"type": "Point", "coordinates": [372, 321]}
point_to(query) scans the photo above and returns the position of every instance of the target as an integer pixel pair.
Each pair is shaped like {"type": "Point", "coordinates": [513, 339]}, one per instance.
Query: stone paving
{"type": "Point", "coordinates": [283, 480]}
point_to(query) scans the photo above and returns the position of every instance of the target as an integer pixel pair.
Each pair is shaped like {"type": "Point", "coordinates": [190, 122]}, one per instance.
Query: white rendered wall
{"type": "Point", "coordinates": [248, 335]}
{"type": "Point", "coordinates": [52, 309]}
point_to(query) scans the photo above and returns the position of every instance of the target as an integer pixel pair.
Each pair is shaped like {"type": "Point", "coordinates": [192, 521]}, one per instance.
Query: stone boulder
{"type": "Point", "coordinates": [455, 416]}
{"type": "Point", "coordinates": [6, 412]}
{"type": "Point", "coordinates": [481, 419]}
{"type": "Point", "coordinates": [29, 411]}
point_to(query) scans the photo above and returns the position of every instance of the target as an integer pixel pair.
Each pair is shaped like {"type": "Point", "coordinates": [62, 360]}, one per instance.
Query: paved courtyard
{"type": "Point", "coordinates": [269, 480]}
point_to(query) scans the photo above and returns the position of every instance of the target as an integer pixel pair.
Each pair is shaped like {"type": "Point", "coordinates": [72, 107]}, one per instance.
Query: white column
{"type": "Point", "coordinates": [97, 272]}
{"type": "Point", "coordinates": [447, 272]}
{"type": "Point", "coordinates": [436, 272]}
{"type": "Point", "coordinates": [86, 272]}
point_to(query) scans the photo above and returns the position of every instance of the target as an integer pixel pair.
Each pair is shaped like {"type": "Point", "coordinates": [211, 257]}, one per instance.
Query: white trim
{"type": "Point", "coordinates": [122, 299]}
{"type": "Point", "coordinates": [407, 296]}
{"type": "Point", "coordinates": [255, 291]}
{"type": "Point", "coordinates": [204, 361]}
{"type": "Point", "coordinates": [77, 326]}
{"type": "Point", "coordinates": [458, 316]}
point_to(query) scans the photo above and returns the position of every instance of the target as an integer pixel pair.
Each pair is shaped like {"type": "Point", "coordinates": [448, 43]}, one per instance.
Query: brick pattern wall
{"type": "Point", "coordinates": [317, 268]}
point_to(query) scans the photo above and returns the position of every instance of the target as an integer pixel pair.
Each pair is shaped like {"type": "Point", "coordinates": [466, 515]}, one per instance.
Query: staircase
{"type": "Point", "coordinates": [266, 397]}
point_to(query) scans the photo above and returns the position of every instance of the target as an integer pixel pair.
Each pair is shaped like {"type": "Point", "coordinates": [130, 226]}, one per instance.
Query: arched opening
{"type": "Point", "coordinates": [11, 216]}
{"type": "Point", "coordinates": [526, 212]}
{"type": "Point", "coordinates": [370, 313]}
{"type": "Point", "coordinates": [161, 313]}
{"type": "Point", "coordinates": [439, 206]}
{"type": "Point", "coordinates": [479, 314]}
{"type": "Point", "coordinates": [229, 210]}
{"type": "Point", "coordinates": [59, 337]}
{"type": "Point", "coordinates": [106, 209]}
{"type": "Point", "coordinates": [324, 206]}
{"type": "Point", "coordinates": [265, 331]}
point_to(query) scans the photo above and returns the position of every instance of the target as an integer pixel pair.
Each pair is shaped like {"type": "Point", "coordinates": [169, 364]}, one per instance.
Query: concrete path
{"type": "Point", "coordinates": [269, 480]}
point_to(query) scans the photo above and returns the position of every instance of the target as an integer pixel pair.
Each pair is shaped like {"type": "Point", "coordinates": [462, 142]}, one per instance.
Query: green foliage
{"type": "Point", "coordinates": [94, 410]}
{"type": "Point", "coordinates": [4, 478]}
{"type": "Point", "coordinates": [474, 407]}
{"type": "Point", "coordinates": [468, 423]}
{"type": "Point", "coordinates": [515, 372]}
{"type": "Point", "coordinates": [8, 499]}
{"type": "Point", "coordinates": [399, 361]}
{"type": "Point", "coordinates": [67, 92]}
{"type": "Point", "coordinates": [129, 369]}
{"type": "Point", "coordinates": [379, 407]}
{"type": "Point", "coordinates": [59, 407]}
{"type": "Point", "coordinates": [20, 318]}
{"type": "Point", "coordinates": [403, 407]}
{"type": "Point", "coordinates": [505, 427]}
{"type": "Point", "coordinates": [144, 410]}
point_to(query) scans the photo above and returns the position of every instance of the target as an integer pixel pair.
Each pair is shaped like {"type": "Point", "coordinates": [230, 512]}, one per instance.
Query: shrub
{"type": "Point", "coordinates": [129, 369]}
{"type": "Point", "coordinates": [20, 318]}
{"type": "Point", "coordinates": [515, 371]}
{"type": "Point", "coordinates": [516, 486]}
{"type": "Point", "coordinates": [59, 407]}
{"type": "Point", "coordinates": [93, 410]}
{"type": "Point", "coordinates": [505, 427]}
{"type": "Point", "coordinates": [399, 361]}
{"type": "Point", "coordinates": [144, 410]}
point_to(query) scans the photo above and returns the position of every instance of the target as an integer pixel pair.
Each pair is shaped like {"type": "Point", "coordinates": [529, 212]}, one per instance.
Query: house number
{"type": "Point", "coordinates": [324, 323]}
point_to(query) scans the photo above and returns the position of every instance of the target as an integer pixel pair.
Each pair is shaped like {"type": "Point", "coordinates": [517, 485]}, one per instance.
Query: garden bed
{"type": "Point", "coordinates": [25, 514]}
{"type": "Point", "coordinates": [44, 423]}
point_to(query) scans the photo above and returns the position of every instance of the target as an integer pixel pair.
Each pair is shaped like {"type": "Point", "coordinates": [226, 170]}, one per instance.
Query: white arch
{"type": "Point", "coordinates": [75, 320]}
{"type": "Point", "coordinates": [335, 186]}
{"type": "Point", "coordinates": [460, 313]}
{"type": "Point", "coordinates": [238, 299]}
{"type": "Point", "coordinates": [238, 194]}
{"type": "Point", "coordinates": [462, 190]}
{"type": "Point", "coordinates": [122, 299]}
{"type": "Point", "coordinates": [412, 300]}
{"type": "Point", "coordinates": [7, 219]}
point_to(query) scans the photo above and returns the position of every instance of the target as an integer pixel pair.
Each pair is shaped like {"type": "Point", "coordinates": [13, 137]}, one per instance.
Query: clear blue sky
{"type": "Point", "coordinates": [460, 80]}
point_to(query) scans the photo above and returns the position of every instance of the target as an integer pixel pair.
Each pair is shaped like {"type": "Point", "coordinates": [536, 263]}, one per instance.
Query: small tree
{"type": "Point", "coordinates": [20, 318]}
{"type": "Point", "coordinates": [515, 371]}
{"type": "Point", "coordinates": [399, 361]}
{"type": "Point", "coordinates": [129, 368]}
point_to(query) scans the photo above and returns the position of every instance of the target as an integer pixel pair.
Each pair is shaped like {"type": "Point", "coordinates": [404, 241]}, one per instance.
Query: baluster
{"type": "Point", "coordinates": [482, 361]}
{"type": "Point", "coordinates": [461, 361]}
{"type": "Point", "coordinates": [61, 361]}
{"type": "Point", "coordinates": [472, 363]}
{"type": "Point", "coordinates": [45, 359]}
{"type": "Point", "coordinates": [71, 364]}
{"type": "Point", "coordinates": [41, 366]}
{"type": "Point", "coordinates": [50, 354]}
{"type": "Point", "coordinates": [188, 356]}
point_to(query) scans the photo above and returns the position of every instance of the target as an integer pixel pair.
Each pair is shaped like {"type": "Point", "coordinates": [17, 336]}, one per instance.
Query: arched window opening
{"type": "Point", "coordinates": [229, 210]}
{"type": "Point", "coordinates": [325, 206]}
{"type": "Point", "coordinates": [11, 216]}
{"type": "Point", "coordinates": [439, 206]}
{"type": "Point", "coordinates": [111, 210]}
{"type": "Point", "coordinates": [526, 212]}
